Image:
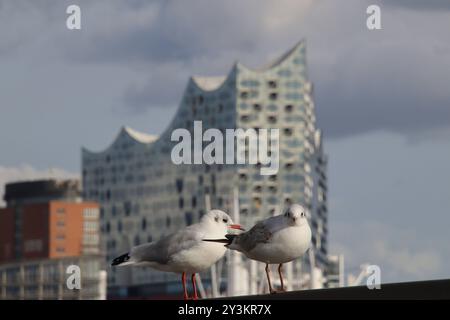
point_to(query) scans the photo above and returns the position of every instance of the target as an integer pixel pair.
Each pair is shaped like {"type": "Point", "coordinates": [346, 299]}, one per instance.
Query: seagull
{"type": "Point", "coordinates": [183, 251]}
{"type": "Point", "coordinates": [276, 240]}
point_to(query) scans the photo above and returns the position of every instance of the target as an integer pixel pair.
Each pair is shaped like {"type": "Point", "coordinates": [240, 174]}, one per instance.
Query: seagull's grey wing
{"type": "Point", "coordinates": [162, 250]}
{"type": "Point", "coordinates": [259, 233]}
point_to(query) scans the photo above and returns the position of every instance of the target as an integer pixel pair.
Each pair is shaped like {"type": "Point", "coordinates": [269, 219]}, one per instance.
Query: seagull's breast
{"type": "Point", "coordinates": [198, 257]}
{"type": "Point", "coordinates": [285, 245]}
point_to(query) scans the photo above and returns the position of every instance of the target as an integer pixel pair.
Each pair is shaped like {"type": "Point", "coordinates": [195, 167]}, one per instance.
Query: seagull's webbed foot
{"type": "Point", "coordinates": [280, 290]}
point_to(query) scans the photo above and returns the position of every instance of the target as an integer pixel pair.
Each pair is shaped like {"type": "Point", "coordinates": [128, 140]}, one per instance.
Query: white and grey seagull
{"type": "Point", "coordinates": [276, 240]}
{"type": "Point", "coordinates": [183, 251]}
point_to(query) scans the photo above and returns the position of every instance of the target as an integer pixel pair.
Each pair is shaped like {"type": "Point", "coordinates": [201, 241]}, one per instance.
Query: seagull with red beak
{"type": "Point", "coordinates": [184, 251]}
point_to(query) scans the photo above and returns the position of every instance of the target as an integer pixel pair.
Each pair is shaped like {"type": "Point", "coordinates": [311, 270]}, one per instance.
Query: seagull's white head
{"type": "Point", "coordinates": [219, 222]}
{"type": "Point", "coordinates": [295, 215]}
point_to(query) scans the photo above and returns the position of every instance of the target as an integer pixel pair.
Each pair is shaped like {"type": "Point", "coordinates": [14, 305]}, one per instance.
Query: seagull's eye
{"type": "Point", "coordinates": [303, 214]}
{"type": "Point", "coordinates": [225, 220]}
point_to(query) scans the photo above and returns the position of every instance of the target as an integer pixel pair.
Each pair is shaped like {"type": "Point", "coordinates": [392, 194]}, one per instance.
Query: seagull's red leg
{"type": "Point", "coordinates": [268, 278]}
{"type": "Point", "coordinates": [281, 276]}
{"type": "Point", "coordinates": [194, 286]}
{"type": "Point", "coordinates": [183, 280]}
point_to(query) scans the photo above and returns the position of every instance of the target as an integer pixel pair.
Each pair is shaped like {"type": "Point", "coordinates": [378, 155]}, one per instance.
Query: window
{"type": "Point", "coordinates": [127, 208]}
{"type": "Point", "coordinates": [179, 183]}
{"type": "Point", "coordinates": [144, 224]}
{"type": "Point", "coordinates": [188, 218]}
{"type": "Point", "coordinates": [285, 73]}
{"type": "Point", "coordinates": [244, 94]}
{"type": "Point", "coordinates": [168, 222]}
{"type": "Point", "coordinates": [272, 119]}
{"type": "Point", "coordinates": [288, 108]}
{"type": "Point", "coordinates": [90, 226]}
{"type": "Point", "coordinates": [245, 118]}
{"type": "Point", "coordinates": [34, 245]}
{"type": "Point", "coordinates": [181, 203]}
{"type": "Point", "coordinates": [257, 203]}
{"type": "Point", "coordinates": [257, 107]}
{"type": "Point", "coordinates": [273, 96]}
{"type": "Point", "coordinates": [91, 239]}
{"type": "Point", "coordinates": [91, 213]}
{"type": "Point", "coordinates": [244, 106]}
{"type": "Point", "coordinates": [287, 131]}
{"type": "Point", "coordinates": [272, 84]}
{"type": "Point", "coordinates": [194, 202]}
{"type": "Point", "coordinates": [119, 226]}
{"type": "Point", "coordinates": [272, 107]}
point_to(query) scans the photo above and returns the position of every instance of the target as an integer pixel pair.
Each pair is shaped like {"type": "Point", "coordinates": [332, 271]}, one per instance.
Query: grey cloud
{"type": "Point", "coordinates": [386, 88]}
{"type": "Point", "coordinates": [391, 79]}
{"type": "Point", "coordinates": [388, 83]}
{"type": "Point", "coordinates": [158, 89]}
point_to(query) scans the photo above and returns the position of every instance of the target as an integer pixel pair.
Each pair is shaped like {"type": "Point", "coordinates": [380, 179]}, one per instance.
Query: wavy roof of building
{"type": "Point", "coordinates": [206, 84]}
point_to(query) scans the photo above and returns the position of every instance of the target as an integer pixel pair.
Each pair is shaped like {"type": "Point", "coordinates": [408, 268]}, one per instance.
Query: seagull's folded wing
{"type": "Point", "coordinates": [162, 250]}
{"type": "Point", "coordinates": [259, 233]}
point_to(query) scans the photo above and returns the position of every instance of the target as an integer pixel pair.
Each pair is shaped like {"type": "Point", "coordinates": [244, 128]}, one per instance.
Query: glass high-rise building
{"type": "Point", "coordinates": [143, 195]}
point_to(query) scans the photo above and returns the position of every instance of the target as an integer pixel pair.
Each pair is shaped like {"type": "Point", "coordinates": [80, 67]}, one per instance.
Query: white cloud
{"type": "Point", "coordinates": [26, 172]}
{"type": "Point", "coordinates": [411, 262]}
{"type": "Point", "coordinates": [400, 253]}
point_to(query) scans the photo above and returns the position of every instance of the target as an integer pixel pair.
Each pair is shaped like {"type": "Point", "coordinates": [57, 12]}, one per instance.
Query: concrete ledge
{"type": "Point", "coordinates": [420, 290]}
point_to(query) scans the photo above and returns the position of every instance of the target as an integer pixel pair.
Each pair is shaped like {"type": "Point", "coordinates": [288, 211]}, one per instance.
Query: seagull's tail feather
{"type": "Point", "coordinates": [229, 239]}
{"type": "Point", "coordinates": [217, 240]}
{"type": "Point", "coordinates": [122, 260]}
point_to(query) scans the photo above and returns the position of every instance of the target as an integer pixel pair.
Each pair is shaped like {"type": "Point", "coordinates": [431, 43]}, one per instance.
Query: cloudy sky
{"type": "Point", "coordinates": [382, 99]}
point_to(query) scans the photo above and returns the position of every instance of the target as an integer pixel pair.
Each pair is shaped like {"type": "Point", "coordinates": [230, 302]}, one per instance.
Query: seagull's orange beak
{"type": "Point", "coordinates": [236, 226]}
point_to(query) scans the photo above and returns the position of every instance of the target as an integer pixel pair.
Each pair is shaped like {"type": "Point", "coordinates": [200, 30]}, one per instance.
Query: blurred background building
{"type": "Point", "coordinates": [45, 228]}
{"type": "Point", "coordinates": [143, 195]}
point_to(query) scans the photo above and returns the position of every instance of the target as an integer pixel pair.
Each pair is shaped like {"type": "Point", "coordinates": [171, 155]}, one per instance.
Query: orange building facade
{"type": "Point", "coordinates": [49, 230]}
